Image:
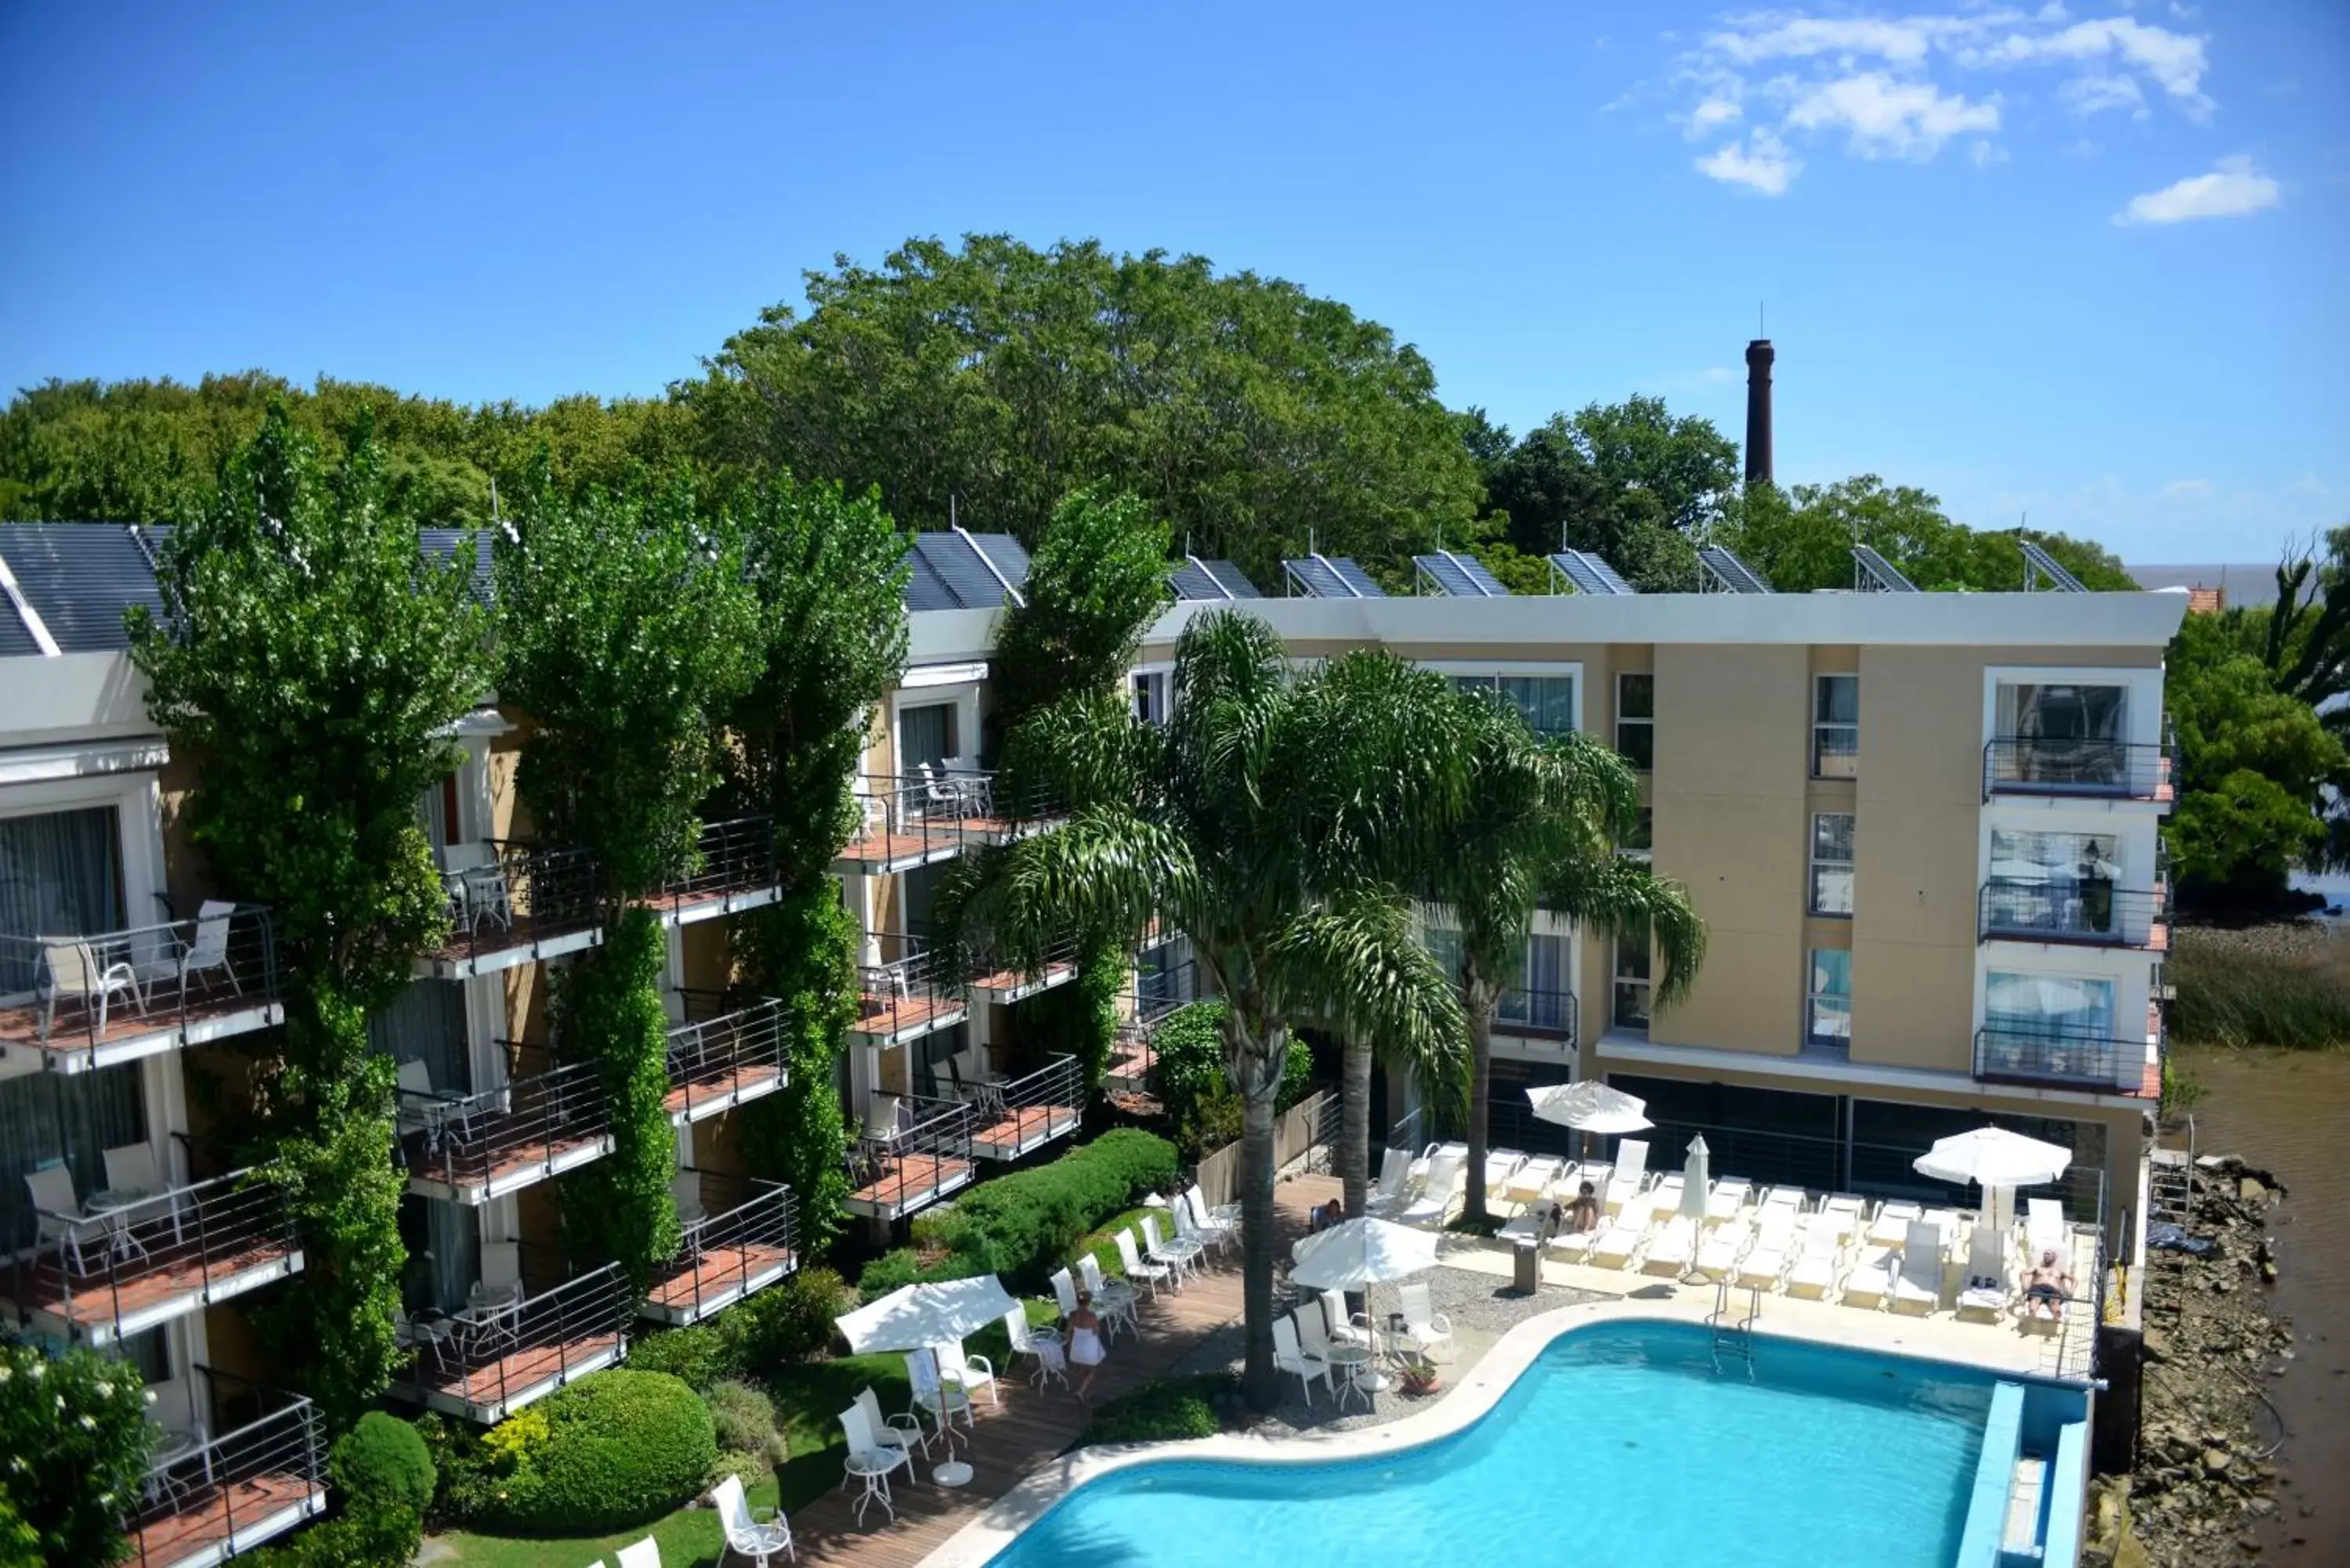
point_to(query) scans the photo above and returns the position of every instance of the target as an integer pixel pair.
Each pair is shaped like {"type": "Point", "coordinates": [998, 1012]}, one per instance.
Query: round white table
{"type": "Point", "coordinates": [951, 1400]}
{"type": "Point", "coordinates": [113, 1205]}
{"type": "Point", "coordinates": [1353, 1364]}
{"type": "Point", "coordinates": [874, 1470]}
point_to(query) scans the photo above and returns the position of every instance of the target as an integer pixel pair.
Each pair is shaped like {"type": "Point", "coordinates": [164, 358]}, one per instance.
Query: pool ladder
{"type": "Point", "coordinates": [1734, 1339]}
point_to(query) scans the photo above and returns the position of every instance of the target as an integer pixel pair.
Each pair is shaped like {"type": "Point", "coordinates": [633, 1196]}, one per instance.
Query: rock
{"type": "Point", "coordinates": [2251, 1191]}
{"type": "Point", "coordinates": [2262, 1507]}
{"type": "Point", "coordinates": [2268, 1273]}
{"type": "Point", "coordinates": [2215, 1460]}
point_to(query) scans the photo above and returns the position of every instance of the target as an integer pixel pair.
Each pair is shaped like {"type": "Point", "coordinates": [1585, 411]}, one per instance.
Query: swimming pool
{"type": "Point", "coordinates": [1619, 1448]}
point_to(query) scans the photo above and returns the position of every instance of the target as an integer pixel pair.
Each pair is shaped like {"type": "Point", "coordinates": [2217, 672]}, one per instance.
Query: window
{"type": "Point", "coordinates": [1546, 702]}
{"type": "Point", "coordinates": [2049, 1006]}
{"type": "Point", "coordinates": [1149, 687]}
{"type": "Point", "coordinates": [1540, 1001]}
{"type": "Point", "coordinates": [1828, 1021]}
{"type": "Point", "coordinates": [1836, 727]}
{"type": "Point", "coordinates": [2052, 881]}
{"type": "Point", "coordinates": [1635, 719]}
{"type": "Point", "coordinates": [1832, 863]}
{"type": "Point", "coordinates": [925, 735]}
{"type": "Point", "coordinates": [1630, 1003]}
{"type": "Point", "coordinates": [1643, 841]}
{"type": "Point", "coordinates": [58, 874]}
{"type": "Point", "coordinates": [2031, 711]}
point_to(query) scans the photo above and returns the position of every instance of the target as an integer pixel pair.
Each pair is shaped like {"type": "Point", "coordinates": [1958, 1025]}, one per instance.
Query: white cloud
{"type": "Point", "coordinates": [2173, 61]}
{"type": "Point", "coordinates": [1763, 164]}
{"type": "Point", "coordinates": [1890, 119]}
{"type": "Point", "coordinates": [2086, 96]}
{"type": "Point", "coordinates": [1713, 113]}
{"type": "Point", "coordinates": [2188, 487]}
{"type": "Point", "coordinates": [1779, 37]}
{"type": "Point", "coordinates": [2230, 191]}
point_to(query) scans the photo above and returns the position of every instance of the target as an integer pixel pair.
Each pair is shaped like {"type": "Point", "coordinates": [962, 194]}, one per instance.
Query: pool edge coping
{"type": "Point", "coordinates": [1468, 1401]}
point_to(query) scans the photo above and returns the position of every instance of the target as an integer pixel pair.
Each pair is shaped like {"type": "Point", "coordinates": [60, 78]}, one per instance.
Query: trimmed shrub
{"type": "Point", "coordinates": [788, 1321]}
{"type": "Point", "coordinates": [1165, 1409]}
{"type": "Point", "coordinates": [1023, 1226]}
{"type": "Point", "coordinates": [903, 1266]}
{"type": "Point", "coordinates": [623, 1447]}
{"type": "Point", "coordinates": [1191, 1081]}
{"type": "Point", "coordinates": [383, 1461]}
{"type": "Point", "coordinates": [697, 1354]}
{"type": "Point", "coordinates": [742, 1416]}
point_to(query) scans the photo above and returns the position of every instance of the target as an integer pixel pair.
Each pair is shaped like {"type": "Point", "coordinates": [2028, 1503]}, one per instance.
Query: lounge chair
{"type": "Point", "coordinates": [1918, 1286]}
{"type": "Point", "coordinates": [1427, 1330]}
{"type": "Point", "coordinates": [1500, 1164]}
{"type": "Point", "coordinates": [1434, 1204]}
{"type": "Point", "coordinates": [1985, 1289]}
{"type": "Point", "coordinates": [1149, 1273]}
{"type": "Point", "coordinates": [646, 1554]}
{"type": "Point", "coordinates": [1674, 1249]}
{"type": "Point", "coordinates": [975, 1373]}
{"type": "Point", "coordinates": [1620, 1237]}
{"type": "Point", "coordinates": [1892, 1223]}
{"type": "Point", "coordinates": [1850, 1213]}
{"type": "Point", "coordinates": [1812, 1274]}
{"type": "Point", "coordinates": [1530, 1182]}
{"type": "Point", "coordinates": [1667, 1193]}
{"type": "Point", "coordinates": [1728, 1196]}
{"type": "Point", "coordinates": [1390, 1194]}
{"type": "Point", "coordinates": [1765, 1263]}
{"type": "Point", "coordinates": [1721, 1248]}
{"type": "Point", "coordinates": [1631, 1170]}
{"type": "Point", "coordinates": [1428, 1157]}
{"type": "Point", "coordinates": [1289, 1355]}
{"type": "Point", "coordinates": [1870, 1278]}
{"type": "Point", "coordinates": [2044, 1229]}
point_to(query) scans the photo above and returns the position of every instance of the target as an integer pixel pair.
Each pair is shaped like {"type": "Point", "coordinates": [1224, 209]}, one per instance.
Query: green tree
{"type": "Point", "coordinates": [1802, 541]}
{"type": "Point", "coordinates": [626, 632]}
{"type": "Point", "coordinates": [74, 1442]}
{"type": "Point", "coordinates": [314, 664]}
{"type": "Point", "coordinates": [985, 380]}
{"type": "Point", "coordinates": [829, 573]}
{"type": "Point", "coordinates": [1270, 823]}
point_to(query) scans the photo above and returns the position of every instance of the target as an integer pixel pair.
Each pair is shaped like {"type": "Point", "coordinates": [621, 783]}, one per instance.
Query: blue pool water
{"type": "Point", "coordinates": [1618, 1447]}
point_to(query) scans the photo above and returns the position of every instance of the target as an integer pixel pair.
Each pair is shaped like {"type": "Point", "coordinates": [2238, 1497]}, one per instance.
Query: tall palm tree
{"type": "Point", "coordinates": [1540, 829]}
{"type": "Point", "coordinates": [1271, 823]}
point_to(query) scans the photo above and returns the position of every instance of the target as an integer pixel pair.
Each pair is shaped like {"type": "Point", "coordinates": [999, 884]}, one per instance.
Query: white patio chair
{"type": "Point", "coordinates": [1427, 1330]}
{"type": "Point", "coordinates": [1065, 1291]}
{"type": "Point", "coordinates": [56, 1207]}
{"type": "Point", "coordinates": [131, 1167]}
{"type": "Point", "coordinates": [646, 1554]}
{"type": "Point", "coordinates": [1193, 1229]}
{"type": "Point", "coordinates": [1114, 1308]}
{"type": "Point", "coordinates": [869, 1460]}
{"type": "Point", "coordinates": [975, 1373]}
{"type": "Point", "coordinates": [1183, 1259]}
{"type": "Point", "coordinates": [1043, 1347]}
{"type": "Point", "coordinates": [1289, 1355]}
{"type": "Point", "coordinates": [74, 971]}
{"type": "Point", "coordinates": [926, 1386]}
{"type": "Point", "coordinates": [685, 1193]}
{"type": "Point", "coordinates": [903, 1430]}
{"type": "Point", "coordinates": [1228, 1216]}
{"type": "Point", "coordinates": [747, 1534]}
{"type": "Point", "coordinates": [1339, 1326]}
{"type": "Point", "coordinates": [1434, 1204]}
{"type": "Point", "coordinates": [1812, 1274]}
{"type": "Point", "coordinates": [1137, 1268]}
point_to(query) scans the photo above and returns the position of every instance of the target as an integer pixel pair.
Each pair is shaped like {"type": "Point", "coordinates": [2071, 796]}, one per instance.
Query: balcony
{"type": "Point", "coordinates": [1024, 1114]}
{"type": "Point", "coordinates": [93, 1000]}
{"type": "Point", "coordinates": [207, 1499]}
{"type": "Point", "coordinates": [510, 903]}
{"type": "Point", "coordinates": [999, 983]}
{"type": "Point", "coordinates": [2055, 1058]}
{"type": "Point", "coordinates": [909, 997]}
{"type": "Point", "coordinates": [913, 1152]}
{"type": "Point", "coordinates": [747, 1245]}
{"type": "Point", "coordinates": [737, 872]}
{"type": "Point", "coordinates": [501, 1354]}
{"type": "Point", "coordinates": [2077, 770]}
{"type": "Point", "coordinates": [2075, 913]}
{"type": "Point", "coordinates": [1536, 1015]}
{"type": "Point", "coordinates": [472, 1147]}
{"type": "Point", "coordinates": [724, 1062]}
{"type": "Point", "coordinates": [123, 1259]}
{"type": "Point", "coordinates": [910, 822]}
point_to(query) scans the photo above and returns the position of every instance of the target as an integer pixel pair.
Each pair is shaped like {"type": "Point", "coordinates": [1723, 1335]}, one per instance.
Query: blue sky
{"type": "Point", "coordinates": [2083, 262]}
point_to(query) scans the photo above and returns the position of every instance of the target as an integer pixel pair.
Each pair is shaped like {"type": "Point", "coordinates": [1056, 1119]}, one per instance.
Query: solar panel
{"type": "Point", "coordinates": [1356, 578]}
{"type": "Point", "coordinates": [80, 578]}
{"type": "Point", "coordinates": [15, 641]}
{"type": "Point", "coordinates": [1191, 581]}
{"type": "Point", "coordinates": [1731, 572]}
{"type": "Point", "coordinates": [956, 561]}
{"type": "Point", "coordinates": [925, 589]}
{"type": "Point", "coordinates": [1487, 583]}
{"type": "Point", "coordinates": [1007, 554]}
{"type": "Point", "coordinates": [1589, 574]}
{"type": "Point", "coordinates": [1444, 574]}
{"type": "Point", "coordinates": [2039, 563]}
{"type": "Point", "coordinates": [1228, 578]}
{"type": "Point", "coordinates": [1311, 575]}
{"type": "Point", "coordinates": [439, 544]}
{"type": "Point", "coordinates": [1879, 575]}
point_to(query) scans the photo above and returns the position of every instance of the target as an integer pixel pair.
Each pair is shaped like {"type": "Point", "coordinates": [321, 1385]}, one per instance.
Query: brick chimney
{"type": "Point", "coordinates": [1758, 410]}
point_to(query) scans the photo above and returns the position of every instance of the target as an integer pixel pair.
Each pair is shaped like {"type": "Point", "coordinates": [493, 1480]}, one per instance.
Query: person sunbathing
{"type": "Point", "coordinates": [2049, 1285]}
{"type": "Point", "coordinates": [1584, 1216]}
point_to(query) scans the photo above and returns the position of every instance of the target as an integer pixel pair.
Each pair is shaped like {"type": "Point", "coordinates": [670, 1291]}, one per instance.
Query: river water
{"type": "Point", "coordinates": [2289, 1111]}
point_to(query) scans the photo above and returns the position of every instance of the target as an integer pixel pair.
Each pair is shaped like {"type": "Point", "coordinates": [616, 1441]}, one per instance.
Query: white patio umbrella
{"type": "Point", "coordinates": [1997, 1160]}
{"type": "Point", "coordinates": [913, 1317]}
{"type": "Point", "coordinates": [1694, 1180]}
{"type": "Point", "coordinates": [1356, 1254]}
{"type": "Point", "coordinates": [1590, 1108]}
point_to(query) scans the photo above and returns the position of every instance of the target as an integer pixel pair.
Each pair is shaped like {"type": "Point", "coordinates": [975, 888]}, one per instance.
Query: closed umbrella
{"type": "Point", "coordinates": [1694, 1180]}
{"type": "Point", "coordinates": [1356, 1254]}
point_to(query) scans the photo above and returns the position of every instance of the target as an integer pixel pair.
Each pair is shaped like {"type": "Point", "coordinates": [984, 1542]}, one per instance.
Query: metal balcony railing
{"type": "Point", "coordinates": [2013, 1053]}
{"type": "Point", "coordinates": [549, 1118]}
{"type": "Point", "coordinates": [992, 976]}
{"type": "Point", "coordinates": [749, 1242]}
{"type": "Point", "coordinates": [912, 1153]}
{"type": "Point", "coordinates": [1544, 1014]}
{"type": "Point", "coordinates": [2095, 769]}
{"type": "Point", "coordinates": [500, 1353]}
{"type": "Point", "coordinates": [120, 1261]}
{"type": "Point", "coordinates": [207, 1499]}
{"type": "Point", "coordinates": [89, 999]}
{"type": "Point", "coordinates": [1027, 1111]}
{"type": "Point", "coordinates": [910, 996]}
{"type": "Point", "coordinates": [928, 816]}
{"type": "Point", "coordinates": [724, 1061]}
{"type": "Point", "coordinates": [2095, 914]}
{"type": "Point", "coordinates": [510, 902]}
{"type": "Point", "coordinates": [736, 865]}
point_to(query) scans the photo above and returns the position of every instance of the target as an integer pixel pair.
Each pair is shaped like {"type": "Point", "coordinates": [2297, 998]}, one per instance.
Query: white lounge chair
{"type": "Point", "coordinates": [1892, 1223]}
{"type": "Point", "coordinates": [869, 1460]}
{"type": "Point", "coordinates": [1850, 1213]}
{"type": "Point", "coordinates": [1530, 1182]}
{"type": "Point", "coordinates": [1728, 1196]}
{"type": "Point", "coordinates": [1427, 1330]}
{"type": "Point", "coordinates": [1428, 1157]}
{"type": "Point", "coordinates": [975, 1373]}
{"type": "Point", "coordinates": [1870, 1278]}
{"type": "Point", "coordinates": [1620, 1237]}
{"type": "Point", "coordinates": [1985, 1289]}
{"type": "Point", "coordinates": [1392, 1191]}
{"type": "Point", "coordinates": [1812, 1274]}
{"type": "Point", "coordinates": [1675, 1248]}
{"type": "Point", "coordinates": [1289, 1355]}
{"type": "Point", "coordinates": [1918, 1286]}
{"type": "Point", "coordinates": [1721, 1248]}
{"type": "Point", "coordinates": [1631, 1170]}
{"type": "Point", "coordinates": [1149, 1273]}
{"type": "Point", "coordinates": [2045, 1231]}
{"type": "Point", "coordinates": [1500, 1164]}
{"type": "Point", "coordinates": [1765, 1263]}
{"type": "Point", "coordinates": [747, 1534]}
{"type": "Point", "coordinates": [1434, 1204]}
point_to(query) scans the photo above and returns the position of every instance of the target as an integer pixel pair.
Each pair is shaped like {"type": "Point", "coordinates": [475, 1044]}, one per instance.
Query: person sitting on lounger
{"type": "Point", "coordinates": [1584, 1216]}
{"type": "Point", "coordinates": [2049, 1286]}
{"type": "Point", "coordinates": [1326, 1215]}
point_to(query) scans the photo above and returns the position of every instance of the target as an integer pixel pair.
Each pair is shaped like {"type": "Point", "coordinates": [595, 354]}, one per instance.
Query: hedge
{"type": "Point", "coordinates": [614, 1450]}
{"type": "Point", "coordinates": [1023, 1226]}
{"type": "Point", "coordinates": [1164, 1409]}
{"type": "Point", "coordinates": [788, 1321]}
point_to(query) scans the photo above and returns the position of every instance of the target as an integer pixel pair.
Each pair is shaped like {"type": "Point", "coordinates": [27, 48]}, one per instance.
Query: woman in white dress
{"type": "Point", "coordinates": [1085, 1342]}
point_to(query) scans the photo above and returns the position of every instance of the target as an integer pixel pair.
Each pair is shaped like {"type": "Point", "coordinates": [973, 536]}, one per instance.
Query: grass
{"type": "Point", "coordinates": [2248, 993]}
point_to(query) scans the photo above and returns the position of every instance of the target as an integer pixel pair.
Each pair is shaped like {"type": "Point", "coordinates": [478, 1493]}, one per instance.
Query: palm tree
{"type": "Point", "coordinates": [1540, 829]}
{"type": "Point", "coordinates": [1271, 823]}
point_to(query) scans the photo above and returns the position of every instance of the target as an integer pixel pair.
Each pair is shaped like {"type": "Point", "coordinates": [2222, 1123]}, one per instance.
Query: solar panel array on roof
{"type": "Point", "coordinates": [1878, 575]}
{"type": "Point", "coordinates": [15, 639]}
{"type": "Point", "coordinates": [1459, 576]}
{"type": "Point", "coordinates": [439, 544]}
{"type": "Point", "coordinates": [80, 578]}
{"type": "Point", "coordinates": [1589, 574]}
{"type": "Point", "coordinates": [1212, 582]}
{"type": "Point", "coordinates": [1313, 575]}
{"type": "Point", "coordinates": [1731, 572]}
{"type": "Point", "coordinates": [1229, 579]}
{"type": "Point", "coordinates": [2039, 563]}
{"type": "Point", "coordinates": [960, 570]}
{"type": "Point", "coordinates": [1355, 578]}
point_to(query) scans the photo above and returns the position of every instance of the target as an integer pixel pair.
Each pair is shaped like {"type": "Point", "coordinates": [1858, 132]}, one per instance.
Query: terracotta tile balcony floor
{"type": "Point", "coordinates": [892, 1017]}
{"type": "Point", "coordinates": [909, 1181]}
{"type": "Point", "coordinates": [495, 1387]}
{"type": "Point", "coordinates": [936, 838]}
{"type": "Point", "coordinates": [519, 1168]}
{"type": "Point", "coordinates": [718, 1278]}
{"type": "Point", "coordinates": [202, 1530]}
{"type": "Point", "coordinates": [170, 1280]}
{"type": "Point", "coordinates": [707, 1094]}
{"type": "Point", "coordinates": [131, 1031]}
{"type": "Point", "coordinates": [1024, 1127]}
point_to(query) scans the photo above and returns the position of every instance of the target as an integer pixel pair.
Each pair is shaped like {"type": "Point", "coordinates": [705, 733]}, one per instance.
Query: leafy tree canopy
{"type": "Point", "coordinates": [1802, 540]}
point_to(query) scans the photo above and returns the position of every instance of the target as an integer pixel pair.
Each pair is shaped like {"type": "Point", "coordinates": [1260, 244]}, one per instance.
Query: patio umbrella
{"type": "Point", "coordinates": [913, 1317]}
{"type": "Point", "coordinates": [1590, 1108]}
{"type": "Point", "coordinates": [1694, 1183]}
{"type": "Point", "coordinates": [1997, 1160]}
{"type": "Point", "coordinates": [1356, 1254]}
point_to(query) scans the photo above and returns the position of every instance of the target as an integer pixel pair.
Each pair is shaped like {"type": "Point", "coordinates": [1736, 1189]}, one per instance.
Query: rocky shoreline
{"type": "Point", "coordinates": [2207, 1437]}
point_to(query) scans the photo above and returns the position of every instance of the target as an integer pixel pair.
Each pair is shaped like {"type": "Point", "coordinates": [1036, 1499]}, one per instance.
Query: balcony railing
{"type": "Point", "coordinates": [2091, 913]}
{"type": "Point", "coordinates": [208, 1498]}
{"type": "Point", "coordinates": [913, 1152]}
{"type": "Point", "coordinates": [2065, 1058]}
{"type": "Point", "coordinates": [2091, 769]}
{"type": "Point", "coordinates": [999, 981]}
{"type": "Point", "coordinates": [513, 903]}
{"type": "Point", "coordinates": [92, 998]}
{"type": "Point", "coordinates": [472, 1147]}
{"type": "Point", "coordinates": [1538, 1013]}
{"type": "Point", "coordinates": [725, 1060]}
{"type": "Point", "coordinates": [126, 1259]}
{"type": "Point", "coordinates": [745, 1246]}
{"type": "Point", "coordinates": [1027, 1113]}
{"type": "Point", "coordinates": [910, 996]}
{"type": "Point", "coordinates": [500, 1356]}
{"type": "Point", "coordinates": [737, 871]}
{"type": "Point", "coordinates": [913, 821]}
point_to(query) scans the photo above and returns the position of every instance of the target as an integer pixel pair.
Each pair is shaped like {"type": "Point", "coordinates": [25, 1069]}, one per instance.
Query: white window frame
{"type": "Point", "coordinates": [1563, 670]}
{"type": "Point", "coordinates": [1160, 678]}
{"type": "Point", "coordinates": [1821, 728]}
{"type": "Point", "coordinates": [1813, 998]}
{"type": "Point", "coordinates": [1813, 865]}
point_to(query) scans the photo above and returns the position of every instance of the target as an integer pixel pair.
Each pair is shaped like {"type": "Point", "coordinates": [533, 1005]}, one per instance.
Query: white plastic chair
{"type": "Point", "coordinates": [1117, 1312]}
{"type": "Point", "coordinates": [1290, 1355]}
{"type": "Point", "coordinates": [975, 1373]}
{"type": "Point", "coordinates": [1183, 1259]}
{"type": "Point", "coordinates": [901, 1431]}
{"type": "Point", "coordinates": [1390, 1195]}
{"type": "Point", "coordinates": [209, 952]}
{"type": "Point", "coordinates": [927, 1387]}
{"type": "Point", "coordinates": [1065, 1291]}
{"type": "Point", "coordinates": [646, 1554]}
{"type": "Point", "coordinates": [1919, 1284]}
{"type": "Point", "coordinates": [1337, 1324]}
{"type": "Point", "coordinates": [747, 1534]}
{"type": "Point", "coordinates": [1437, 1196]}
{"type": "Point", "coordinates": [1427, 1330]}
{"type": "Point", "coordinates": [131, 1167]}
{"type": "Point", "coordinates": [74, 970]}
{"type": "Point", "coordinates": [869, 1460]}
{"type": "Point", "coordinates": [56, 1207]}
{"type": "Point", "coordinates": [1150, 1274]}
{"type": "Point", "coordinates": [1051, 1365]}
